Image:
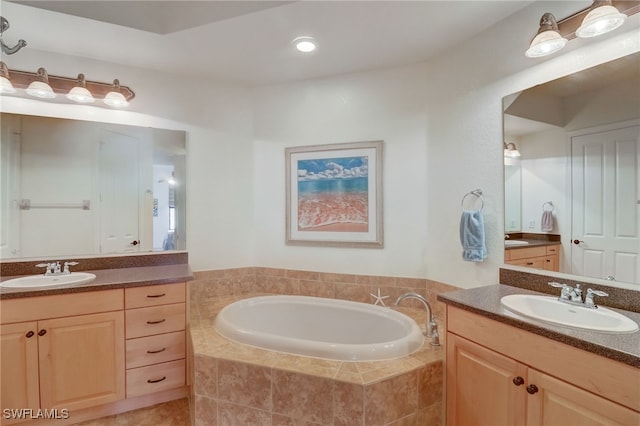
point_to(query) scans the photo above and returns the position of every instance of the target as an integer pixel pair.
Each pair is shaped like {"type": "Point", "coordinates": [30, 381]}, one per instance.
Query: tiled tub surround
{"type": "Point", "coordinates": [236, 384]}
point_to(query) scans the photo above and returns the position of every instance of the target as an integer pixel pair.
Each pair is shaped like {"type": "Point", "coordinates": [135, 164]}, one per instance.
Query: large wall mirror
{"type": "Point", "coordinates": [578, 140]}
{"type": "Point", "coordinates": [78, 188]}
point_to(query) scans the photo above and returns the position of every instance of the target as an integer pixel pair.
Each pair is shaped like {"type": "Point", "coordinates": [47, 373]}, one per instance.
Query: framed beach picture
{"type": "Point", "coordinates": [334, 195]}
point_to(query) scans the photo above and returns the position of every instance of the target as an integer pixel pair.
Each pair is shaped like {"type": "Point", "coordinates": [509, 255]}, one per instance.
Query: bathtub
{"type": "Point", "coordinates": [318, 327]}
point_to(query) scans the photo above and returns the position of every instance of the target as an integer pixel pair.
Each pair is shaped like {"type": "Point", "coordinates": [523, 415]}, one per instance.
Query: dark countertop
{"type": "Point", "coordinates": [107, 279]}
{"type": "Point", "coordinates": [532, 243]}
{"type": "Point", "coordinates": [485, 301]}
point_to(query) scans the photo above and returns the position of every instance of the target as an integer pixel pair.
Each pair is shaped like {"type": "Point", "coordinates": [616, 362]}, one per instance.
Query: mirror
{"type": "Point", "coordinates": [76, 188]}
{"type": "Point", "coordinates": [579, 143]}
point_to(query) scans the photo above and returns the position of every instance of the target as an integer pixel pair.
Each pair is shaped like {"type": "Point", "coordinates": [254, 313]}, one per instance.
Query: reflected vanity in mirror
{"type": "Point", "coordinates": [576, 180]}
{"type": "Point", "coordinates": [78, 188]}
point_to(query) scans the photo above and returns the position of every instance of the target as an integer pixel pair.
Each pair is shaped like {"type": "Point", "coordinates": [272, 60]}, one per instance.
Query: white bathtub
{"type": "Point", "coordinates": [318, 327]}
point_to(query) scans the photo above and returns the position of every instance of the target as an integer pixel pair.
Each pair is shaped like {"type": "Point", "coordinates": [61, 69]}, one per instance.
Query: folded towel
{"type": "Point", "coordinates": [472, 236]}
{"type": "Point", "coordinates": [546, 223]}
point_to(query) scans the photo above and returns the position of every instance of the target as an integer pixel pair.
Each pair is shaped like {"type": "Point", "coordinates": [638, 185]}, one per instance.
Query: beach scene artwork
{"type": "Point", "coordinates": [333, 194]}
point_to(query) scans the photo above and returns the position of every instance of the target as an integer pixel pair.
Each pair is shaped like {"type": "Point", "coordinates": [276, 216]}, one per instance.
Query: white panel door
{"type": "Point", "coordinates": [606, 193]}
{"type": "Point", "coordinates": [119, 193]}
{"type": "Point", "coordinates": [10, 187]}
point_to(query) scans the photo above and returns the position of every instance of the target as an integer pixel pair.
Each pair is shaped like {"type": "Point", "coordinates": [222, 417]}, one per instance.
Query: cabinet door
{"type": "Point", "coordinates": [19, 367]}
{"type": "Point", "coordinates": [480, 386]}
{"type": "Point", "coordinates": [557, 403]}
{"type": "Point", "coordinates": [81, 360]}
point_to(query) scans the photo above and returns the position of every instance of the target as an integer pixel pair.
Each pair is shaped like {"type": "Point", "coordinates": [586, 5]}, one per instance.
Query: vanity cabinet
{"type": "Point", "coordinates": [62, 351]}
{"type": "Point", "coordinates": [541, 257]}
{"type": "Point", "coordinates": [155, 333]}
{"type": "Point", "coordinates": [498, 374]}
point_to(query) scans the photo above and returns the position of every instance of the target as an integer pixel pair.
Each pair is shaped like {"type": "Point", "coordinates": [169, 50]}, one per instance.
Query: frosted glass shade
{"type": "Point", "coordinates": [545, 43]}
{"type": "Point", "coordinates": [6, 86]}
{"type": "Point", "coordinates": [40, 89]}
{"type": "Point", "coordinates": [81, 95]}
{"type": "Point", "coordinates": [116, 99]}
{"type": "Point", "coordinates": [600, 20]}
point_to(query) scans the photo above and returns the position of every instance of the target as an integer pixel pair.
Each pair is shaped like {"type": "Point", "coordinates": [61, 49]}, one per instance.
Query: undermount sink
{"type": "Point", "coordinates": [550, 309]}
{"type": "Point", "coordinates": [510, 243]}
{"type": "Point", "coordinates": [34, 281]}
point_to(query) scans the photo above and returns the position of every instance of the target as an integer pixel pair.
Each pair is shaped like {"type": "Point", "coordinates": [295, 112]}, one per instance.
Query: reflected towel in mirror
{"type": "Point", "coordinates": [472, 236]}
{"type": "Point", "coordinates": [546, 223]}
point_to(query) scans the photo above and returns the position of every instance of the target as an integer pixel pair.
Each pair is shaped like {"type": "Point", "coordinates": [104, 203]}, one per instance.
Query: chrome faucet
{"type": "Point", "coordinates": [432, 325]}
{"type": "Point", "coordinates": [53, 268]}
{"type": "Point", "coordinates": [573, 295]}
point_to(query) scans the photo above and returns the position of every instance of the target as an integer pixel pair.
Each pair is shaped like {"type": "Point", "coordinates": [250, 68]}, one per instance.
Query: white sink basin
{"type": "Point", "coordinates": [550, 309]}
{"type": "Point", "coordinates": [33, 281]}
{"type": "Point", "coordinates": [510, 243]}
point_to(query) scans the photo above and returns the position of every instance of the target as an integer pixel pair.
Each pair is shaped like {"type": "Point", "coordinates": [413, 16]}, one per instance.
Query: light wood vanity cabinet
{"type": "Point", "coordinates": [93, 353]}
{"type": "Point", "coordinates": [56, 353]}
{"type": "Point", "coordinates": [500, 375]}
{"type": "Point", "coordinates": [541, 257]}
{"type": "Point", "coordinates": [155, 331]}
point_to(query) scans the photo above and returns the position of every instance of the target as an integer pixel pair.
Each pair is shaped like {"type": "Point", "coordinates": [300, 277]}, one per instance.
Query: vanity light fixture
{"type": "Point", "coordinates": [601, 17]}
{"type": "Point", "coordinates": [40, 87]}
{"type": "Point", "coordinates": [305, 44]}
{"type": "Point", "coordinates": [5, 83]}
{"type": "Point", "coordinates": [115, 98]}
{"type": "Point", "coordinates": [80, 93]}
{"type": "Point", "coordinates": [548, 40]}
{"type": "Point", "coordinates": [510, 150]}
{"type": "Point", "coordinates": [45, 86]}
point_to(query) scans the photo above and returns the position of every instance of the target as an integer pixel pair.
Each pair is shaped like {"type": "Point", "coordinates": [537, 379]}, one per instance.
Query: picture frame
{"type": "Point", "coordinates": [334, 195]}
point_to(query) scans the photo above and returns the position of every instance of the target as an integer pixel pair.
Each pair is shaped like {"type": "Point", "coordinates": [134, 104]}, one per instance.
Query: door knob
{"type": "Point", "coordinates": [577, 242]}
{"type": "Point", "coordinates": [135, 242]}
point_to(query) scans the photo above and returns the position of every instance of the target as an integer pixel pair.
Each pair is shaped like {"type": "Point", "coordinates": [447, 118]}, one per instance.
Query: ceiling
{"type": "Point", "coordinates": [249, 42]}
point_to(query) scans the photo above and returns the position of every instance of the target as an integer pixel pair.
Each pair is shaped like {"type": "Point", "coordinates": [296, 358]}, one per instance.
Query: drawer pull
{"type": "Point", "coordinates": [156, 322]}
{"type": "Point", "coordinates": [157, 351]}
{"type": "Point", "coordinates": [529, 263]}
{"type": "Point", "coordinates": [156, 295]}
{"type": "Point", "coordinates": [156, 380]}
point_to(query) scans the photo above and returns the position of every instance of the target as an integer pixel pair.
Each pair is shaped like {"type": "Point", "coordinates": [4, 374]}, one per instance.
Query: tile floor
{"type": "Point", "coordinates": [173, 413]}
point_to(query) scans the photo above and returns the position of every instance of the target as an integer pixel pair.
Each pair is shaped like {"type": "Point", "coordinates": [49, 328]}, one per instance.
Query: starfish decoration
{"type": "Point", "coordinates": [379, 298]}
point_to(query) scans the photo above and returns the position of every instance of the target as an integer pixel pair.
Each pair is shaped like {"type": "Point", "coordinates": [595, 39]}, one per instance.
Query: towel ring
{"type": "Point", "coordinates": [547, 204]}
{"type": "Point", "coordinates": [477, 193]}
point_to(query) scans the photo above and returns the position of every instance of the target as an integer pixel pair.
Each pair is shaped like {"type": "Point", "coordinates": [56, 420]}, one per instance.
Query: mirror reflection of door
{"type": "Point", "coordinates": [606, 213]}
{"type": "Point", "coordinates": [119, 189]}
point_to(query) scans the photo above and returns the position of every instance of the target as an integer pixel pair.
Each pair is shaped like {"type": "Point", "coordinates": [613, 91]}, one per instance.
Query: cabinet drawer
{"type": "Point", "coordinates": [153, 295]}
{"type": "Point", "coordinates": [523, 253]}
{"type": "Point", "coordinates": [155, 349]}
{"type": "Point", "coordinates": [535, 262]}
{"type": "Point", "coordinates": [155, 378]}
{"type": "Point", "coordinates": [553, 249]}
{"type": "Point", "coordinates": [154, 320]}
{"type": "Point", "coordinates": [60, 305]}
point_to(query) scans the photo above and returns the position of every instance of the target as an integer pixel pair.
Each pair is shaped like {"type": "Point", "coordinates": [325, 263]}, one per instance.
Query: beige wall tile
{"type": "Point", "coordinates": [244, 384]}
{"type": "Point", "coordinates": [206, 411]}
{"type": "Point", "coordinates": [348, 403]}
{"type": "Point", "coordinates": [391, 399]}
{"type": "Point", "coordinates": [303, 397]}
{"type": "Point", "coordinates": [206, 376]}
{"type": "Point", "coordinates": [237, 415]}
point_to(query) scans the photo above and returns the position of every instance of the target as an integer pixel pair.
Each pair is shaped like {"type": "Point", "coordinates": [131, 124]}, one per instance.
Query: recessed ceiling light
{"type": "Point", "coordinates": [305, 44]}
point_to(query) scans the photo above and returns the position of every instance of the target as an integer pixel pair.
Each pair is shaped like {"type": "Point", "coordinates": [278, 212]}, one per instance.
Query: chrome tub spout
{"type": "Point", "coordinates": [432, 326]}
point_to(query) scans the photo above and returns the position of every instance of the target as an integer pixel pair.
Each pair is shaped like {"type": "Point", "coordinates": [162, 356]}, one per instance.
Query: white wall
{"type": "Point", "coordinates": [441, 123]}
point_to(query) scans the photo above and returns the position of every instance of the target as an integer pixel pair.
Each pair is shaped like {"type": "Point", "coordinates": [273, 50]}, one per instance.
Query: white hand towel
{"type": "Point", "coordinates": [546, 223]}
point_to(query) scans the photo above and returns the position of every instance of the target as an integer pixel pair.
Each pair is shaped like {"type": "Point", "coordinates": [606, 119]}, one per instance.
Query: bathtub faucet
{"type": "Point", "coordinates": [432, 326]}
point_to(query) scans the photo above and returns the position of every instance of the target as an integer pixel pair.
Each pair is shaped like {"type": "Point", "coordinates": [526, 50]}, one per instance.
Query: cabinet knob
{"type": "Point", "coordinates": [30, 334]}
{"type": "Point", "coordinates": [518, 381]}
{"type": "Point", "coordinates": [42, 332]}
{"type": "Point", "coordinates": [532, 389]}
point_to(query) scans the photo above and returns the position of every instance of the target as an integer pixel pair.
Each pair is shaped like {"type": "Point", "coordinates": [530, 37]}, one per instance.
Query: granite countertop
{"type": "Point", "coordinates": [531, 243]}
{"type": "Point", "coordinates": [107, 279]}
{"type": "Point", "coordinates": [485, 301]}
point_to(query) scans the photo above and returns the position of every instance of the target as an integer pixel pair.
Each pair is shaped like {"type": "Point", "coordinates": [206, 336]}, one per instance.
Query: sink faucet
{"type": "Point", "coordinates": [573, 295]}
{"type": "Point", "coordinates": [432, 326]}
{"type": "Point", "coordinates": [53, 268]}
